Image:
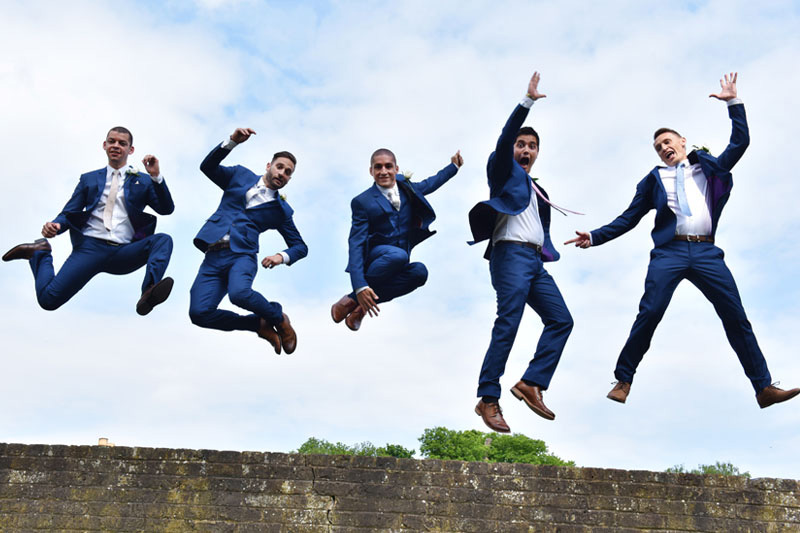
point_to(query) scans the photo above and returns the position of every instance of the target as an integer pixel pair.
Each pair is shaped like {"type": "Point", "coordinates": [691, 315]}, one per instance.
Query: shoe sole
{"type": "Point", "coordinates": [521, 397]}
{"type": "Point", "coordinates": [779, 401]}
{"type": "Point", "coordinates": [477, 412]}
{"type": "Point", "coordinates": [159, 295]}
{"type": "Point", "coordinates": [615, 399]}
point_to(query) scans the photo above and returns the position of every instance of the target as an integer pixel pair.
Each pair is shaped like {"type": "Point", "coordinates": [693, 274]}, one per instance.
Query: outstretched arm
{"type": "Point", "coordinates": [583, 239]}
{"type": "Point", "coordinates": [211, 164]}
{"type": "Point", "coordinates": [728, 85]}
{"type": "Point", "coordinates": [740, 135]}
{"type": "Point", "coordinates": [432, 183]}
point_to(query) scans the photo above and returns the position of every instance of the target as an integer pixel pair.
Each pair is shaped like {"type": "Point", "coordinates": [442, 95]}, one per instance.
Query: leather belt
{"type": "Point", "coordinates": [537, 247]}
{"type": "Point", "coordinates": [694, 238]}
{"type": "Point", "coordinates": [219, 245]}
{"type": "Point", "coordinates": [105, 241]}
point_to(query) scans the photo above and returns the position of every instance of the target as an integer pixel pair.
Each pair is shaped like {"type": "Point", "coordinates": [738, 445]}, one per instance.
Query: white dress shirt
{"type": "Point", "coordinates": [386, 191]}
{"type": "Point", "coordinates": [523, 227]}
{"type": "Point", "coordinates": [696, 186]}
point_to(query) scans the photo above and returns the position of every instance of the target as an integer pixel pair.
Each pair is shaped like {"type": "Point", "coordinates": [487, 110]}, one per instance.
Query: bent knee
{"type": "Point", "coordinates": [420, 273]}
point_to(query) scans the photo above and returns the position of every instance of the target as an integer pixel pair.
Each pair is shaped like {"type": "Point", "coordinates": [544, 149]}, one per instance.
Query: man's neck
{"type": "Point", "coordinates": [117, 166]}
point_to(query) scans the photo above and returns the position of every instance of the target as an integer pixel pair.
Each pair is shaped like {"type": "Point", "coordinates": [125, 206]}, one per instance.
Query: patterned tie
{"type": "Point", "coordinates": [680, 190]}
{"type": "Point", "coordinates": [394, 199]}
{"type": "Point", "coordinates": [111, 200]}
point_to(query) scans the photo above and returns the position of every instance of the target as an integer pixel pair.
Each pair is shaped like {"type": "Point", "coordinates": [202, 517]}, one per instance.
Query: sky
{"type": "Point", "coordinates": [331, 82]}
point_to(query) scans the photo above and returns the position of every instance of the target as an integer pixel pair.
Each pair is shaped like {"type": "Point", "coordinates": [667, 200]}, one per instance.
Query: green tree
{"type": "Point", "coordinates": [472, 445]}
{"type": "Point", "coordinates": [723, 469]}
{"type": "Point", "coordinates": [321, 446]}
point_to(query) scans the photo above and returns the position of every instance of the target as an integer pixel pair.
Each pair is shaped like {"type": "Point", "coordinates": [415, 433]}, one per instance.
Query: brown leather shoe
{"type": "Point", "coordinates": [342, 308]}
{"type": "Point", "coordinates": [353, 320]}
{"type": "Point", "coordinates": [265, 331]}
{"type": "Point", "coordinates": [532, 396]}
{"type": "Point", "coordinates": [288, 336]}
{"type": "Point", "coordinates": [154, 295]}
{"type": "Point", "coordinates": [26, 251]}
{"type": "Point", "coordinates": [620, 392]}
{"type": "Point", "coordinates": [492, 416]}
{"type": "Point", "coordinates": [772, 394]}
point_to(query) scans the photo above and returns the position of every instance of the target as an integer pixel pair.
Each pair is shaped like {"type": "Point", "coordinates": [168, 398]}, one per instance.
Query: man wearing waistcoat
{"type": "Point", "coordinates": [250, 205]}
{"type": "Point", "coordinates": [108, 229]}
{"type": "Point", "coordinates": [688, 194]}
{"type": "Point", "coordinates": [516, 221]}
{"type": "Point", "coordinates": [389, 219]}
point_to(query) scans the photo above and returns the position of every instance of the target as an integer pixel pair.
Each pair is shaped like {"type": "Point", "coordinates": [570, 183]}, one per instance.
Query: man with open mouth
{"type": "Point", "coordinates": [516, 221]}
{"type": "Point", "coordinates": [688, 194]}
{"type": "Point", "coordinates": [108, 229]}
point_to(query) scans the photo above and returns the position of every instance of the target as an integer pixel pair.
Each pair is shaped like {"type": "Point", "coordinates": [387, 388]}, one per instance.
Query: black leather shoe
{"type": "Point", "coordinates": [26, 251]}
{"type": "Point", "coordinates": [154, 295]}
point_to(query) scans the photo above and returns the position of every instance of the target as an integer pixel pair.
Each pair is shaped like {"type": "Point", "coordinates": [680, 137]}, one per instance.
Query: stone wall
{"type": "Point", "coordinates": [90, 488]}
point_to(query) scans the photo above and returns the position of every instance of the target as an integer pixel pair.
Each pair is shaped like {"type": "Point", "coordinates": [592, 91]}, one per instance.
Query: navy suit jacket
{"type": "Point", "coordinates": [245, 225]}
{"type": "Point", "coordinates": [140, 191]}
{"type": "Point", "coordinates": [650, 193]}
{"type": "Point", "coordinates": [372, 220]}
{"type": "Point", "coordinates": [509, 190]}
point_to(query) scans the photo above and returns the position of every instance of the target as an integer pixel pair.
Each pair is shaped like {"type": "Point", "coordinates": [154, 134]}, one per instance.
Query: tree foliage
{"type": "Point", "coordinates": [323, 447]}
{"type": "Point", "coordinates": [724, 469]}
{"type": "Point", "coordinates": [473, 445]}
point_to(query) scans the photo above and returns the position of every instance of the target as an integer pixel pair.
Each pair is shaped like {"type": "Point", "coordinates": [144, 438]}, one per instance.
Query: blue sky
{"type": "Point", "coordinates": [332, 81]}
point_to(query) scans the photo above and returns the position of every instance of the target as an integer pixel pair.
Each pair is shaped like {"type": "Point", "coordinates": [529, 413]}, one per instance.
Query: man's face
{"type": "Point", "coordinates": [383, 170]}
{"type": "Point", "coordinates": [526, 150]}
{"type": "Point", "coordinates": [279, 172]}
{"type": "Point", "coordinates": [118, 147]}
{"type": "Point", "coordinates": [670, 148]}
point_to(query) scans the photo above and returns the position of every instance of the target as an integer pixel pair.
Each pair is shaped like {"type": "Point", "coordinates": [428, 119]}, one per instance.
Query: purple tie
{"type": "Point", "coordinates": [551, 204]}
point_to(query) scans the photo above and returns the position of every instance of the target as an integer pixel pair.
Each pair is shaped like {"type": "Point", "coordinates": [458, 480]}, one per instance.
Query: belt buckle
{"type": "Point", "coordinates": [693, 238]}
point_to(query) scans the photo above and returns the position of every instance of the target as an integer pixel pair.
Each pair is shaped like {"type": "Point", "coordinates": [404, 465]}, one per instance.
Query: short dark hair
{"type": "Point", "coordinates": [527, 130]}
{"type": "Point", "coordinates": [382, 151]}
{"type": "Point", "coordinates": [122, 129]}
{"type": "Point", "coordinates": [287, 155]}
{"type": "Point", "coordinates": [661, 131]}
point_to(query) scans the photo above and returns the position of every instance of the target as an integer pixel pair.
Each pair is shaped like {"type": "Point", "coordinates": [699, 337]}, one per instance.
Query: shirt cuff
{"type": "Point", "coordinates": [285, 257]}
{"type": "Point", "coordinates": [229, 144]}
{"type": "Point", "coordinates": [362, 288]}
{"type": "Point", "coordinates": [734, 101]}
{"type": "Point", "coordinates": [157, 179]}
{"type": "Point", "coordinates": [527, 102]}
{"type": "Point", "coordinates": [591, 241]}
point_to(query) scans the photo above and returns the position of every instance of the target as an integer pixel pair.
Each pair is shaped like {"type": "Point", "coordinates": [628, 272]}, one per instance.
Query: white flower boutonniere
{"type": "Point", "coordinates": [283, 197]}
{"type": "Point", "coordinates": [132, 171]}
{"type": "Point", "coordinates": [407, 175]}
{"type": "Point", "coordinates": [702, 147]}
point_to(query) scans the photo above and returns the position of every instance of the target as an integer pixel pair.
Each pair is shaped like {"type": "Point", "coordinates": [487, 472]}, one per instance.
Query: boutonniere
{"type": "Point", "coordinates": [407, 175]}
{"type": "Point", "coordinates": [702, 147]}
{"type": "Point", "coordinates": [132, 171]}
{"type": "Point", "coordinates": [282, 197]}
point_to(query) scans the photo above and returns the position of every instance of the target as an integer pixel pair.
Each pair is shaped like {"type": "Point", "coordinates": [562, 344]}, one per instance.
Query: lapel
{"type": "Point", "coordinates": [659, 191]}
{"type": "Point", "coordinates": [380, 199]}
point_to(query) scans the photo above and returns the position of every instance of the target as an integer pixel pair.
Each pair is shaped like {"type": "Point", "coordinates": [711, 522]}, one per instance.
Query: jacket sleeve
{"type": "Point", "coordinates": [357, 245]}
{"type": "Point", "coordinates": [501, 161]}
{"type": "Point", "coordinates": [640, 205]}
{"type": "Point", "coordinates": [217, 173]}
{"type": "Point", "coordinates": [432, 183]}
{"type": "Point", "coordinates": [160, 199]}
{"type": "Point", "coordinates": [77, 202]}
{"type": "Point", "coordinates": [740, 138]}
{"type": "Point", "coordinates": [297, 248]}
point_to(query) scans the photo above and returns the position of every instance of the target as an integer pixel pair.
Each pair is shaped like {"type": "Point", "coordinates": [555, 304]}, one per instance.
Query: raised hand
{"type": "Point", "coordinates": [150, 163]}
{"type": "Point", "coordinates": [533, 88]}
{"type": "Point", "coordinates": [457, 160]}
{"type": "Point", "coordinates": [583, 240]}
{"type": "Point", "coordinates": [728, 84]}
{"type": "Point", "coordinates": [240, 135]}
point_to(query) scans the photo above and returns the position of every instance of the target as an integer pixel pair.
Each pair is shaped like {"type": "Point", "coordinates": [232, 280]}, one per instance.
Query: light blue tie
{"type": "Point", "coordinates": [680, 190]}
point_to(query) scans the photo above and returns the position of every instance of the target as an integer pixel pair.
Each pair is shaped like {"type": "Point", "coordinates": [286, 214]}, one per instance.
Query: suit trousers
{"type": "Point", "coordinates": [390, 274]}
{"type": "Point", "coordinates": [227, 272]}
{"type": "Point", "coordinates": [519, 278]}
{"type": "Point", "coordinates": [93, 256]}
{"type": "Point", "coordinates": [703, 264]}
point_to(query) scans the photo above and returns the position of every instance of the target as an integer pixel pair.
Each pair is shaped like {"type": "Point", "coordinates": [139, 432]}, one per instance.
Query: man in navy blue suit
{"type": "Point", "coordinates": [250, 205]}
{"type": "Point", "coordinates": [688, 194]}
{"type": "Point", "coordinates": [389, 219]}
{"type": "Point", "coordinates": [109, 230]}
{"type": "Point", "coordinates": [516, 220]}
